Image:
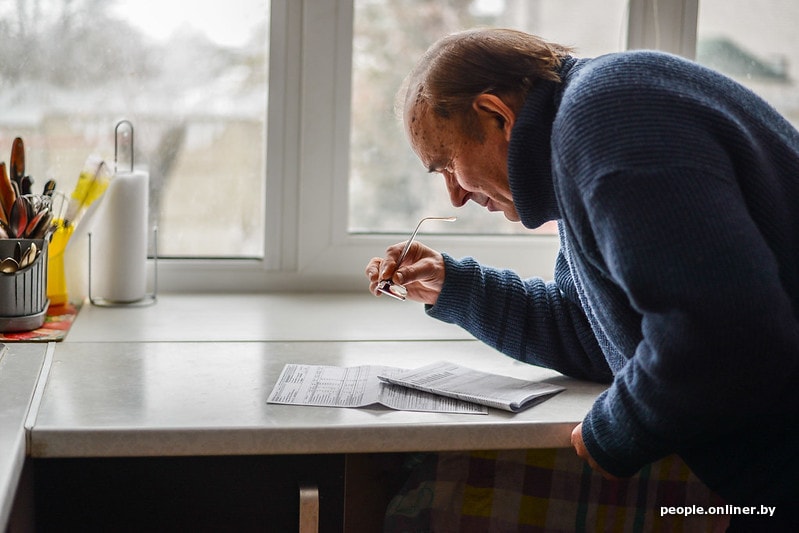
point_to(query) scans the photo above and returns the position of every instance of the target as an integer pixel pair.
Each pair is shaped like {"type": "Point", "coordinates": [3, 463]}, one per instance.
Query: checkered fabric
{"type": "Point", "coordinates": [548, 490]}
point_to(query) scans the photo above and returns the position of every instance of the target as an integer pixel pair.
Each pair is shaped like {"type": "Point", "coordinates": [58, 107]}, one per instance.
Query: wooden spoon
{"type": "Point", "coordinates": [7, 194]}
{"type": "Point", "coordinates": [18, 163]}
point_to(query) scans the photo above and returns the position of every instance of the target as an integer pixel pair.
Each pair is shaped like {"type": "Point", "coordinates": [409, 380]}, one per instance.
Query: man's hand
{"type": "Point", "coordinates": [582, 451]}
{"type": "Point", "coordinates": [421, 272]}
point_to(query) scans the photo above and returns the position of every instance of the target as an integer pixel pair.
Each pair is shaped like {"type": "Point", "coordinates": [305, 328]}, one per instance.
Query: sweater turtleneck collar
{"type": "Point", "coordinates": [530, 152]}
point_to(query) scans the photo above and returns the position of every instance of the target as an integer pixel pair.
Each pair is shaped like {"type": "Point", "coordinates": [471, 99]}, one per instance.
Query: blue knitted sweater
{"type": "Point", "coordinates": [677, 281]}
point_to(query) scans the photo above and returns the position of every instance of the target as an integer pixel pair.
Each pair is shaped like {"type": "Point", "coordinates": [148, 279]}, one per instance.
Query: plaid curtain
{"type": "Point", "coordinates": [549, 490]}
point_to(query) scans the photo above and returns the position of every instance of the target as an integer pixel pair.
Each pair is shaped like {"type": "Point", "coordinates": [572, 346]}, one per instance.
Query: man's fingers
{"type": "Point", "coordinates": [582, 452]}
{"type": "Point", "coordinates": [424, 271]}
{"type": "Point", "coordinates": [373, 267]}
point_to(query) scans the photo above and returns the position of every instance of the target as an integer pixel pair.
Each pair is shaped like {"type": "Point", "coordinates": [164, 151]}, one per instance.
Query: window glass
{"type": "Point", "coordinates": [191, 78]}
{"type": "Point", "coordinates": [388, 188]}
{"type": "Point", "coordinates": [755, 43]}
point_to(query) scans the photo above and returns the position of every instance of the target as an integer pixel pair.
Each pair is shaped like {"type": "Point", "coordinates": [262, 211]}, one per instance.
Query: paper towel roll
{"type": "Point", "coordinates": [119, 250]}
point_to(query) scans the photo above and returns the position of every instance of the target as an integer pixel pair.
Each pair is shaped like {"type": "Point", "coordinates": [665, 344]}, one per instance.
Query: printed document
{"type": "Point", "coordinates": [493, 390]}
{"type": "Point", "coordinates": [439, 387]}
{"type": "Point", "coordinates": [358, 386]}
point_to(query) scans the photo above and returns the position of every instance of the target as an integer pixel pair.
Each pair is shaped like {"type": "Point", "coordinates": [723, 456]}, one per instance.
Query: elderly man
{"type": "Point", "coordinates": [676, 192]}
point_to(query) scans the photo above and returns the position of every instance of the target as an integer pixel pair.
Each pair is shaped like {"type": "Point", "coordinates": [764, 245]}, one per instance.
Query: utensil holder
{"type": "Point", "coordinates": [23, 294]}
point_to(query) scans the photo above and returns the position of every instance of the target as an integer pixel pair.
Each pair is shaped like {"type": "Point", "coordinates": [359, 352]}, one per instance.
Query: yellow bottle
{"type": "Point", "coordinates": [92, 183]}
{"type": "Point", "coordinates": [56, 279]}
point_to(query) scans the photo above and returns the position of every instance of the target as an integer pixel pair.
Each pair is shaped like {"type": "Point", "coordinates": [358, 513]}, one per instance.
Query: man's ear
{"type": "Point", "coordinates": [494, 108]}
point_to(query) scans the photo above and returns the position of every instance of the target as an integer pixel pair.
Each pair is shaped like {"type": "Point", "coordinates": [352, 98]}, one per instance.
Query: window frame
{"type": "Point", "coordinates": [307, 243]}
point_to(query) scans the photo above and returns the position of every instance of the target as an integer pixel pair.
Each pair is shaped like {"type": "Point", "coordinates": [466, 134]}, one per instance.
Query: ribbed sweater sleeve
{"type": "Point", "coordinates": [530, 320]}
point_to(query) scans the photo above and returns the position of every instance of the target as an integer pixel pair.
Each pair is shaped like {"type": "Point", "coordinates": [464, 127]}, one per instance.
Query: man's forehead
{"type": "Point", "coordinates": [425, 125]}
{"type": "Point", "coordinates": [418, 116]}
{"type": "Point", "coordinates": [429, 137]}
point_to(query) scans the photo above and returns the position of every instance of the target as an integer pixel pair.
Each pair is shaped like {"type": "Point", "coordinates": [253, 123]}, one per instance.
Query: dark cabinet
{"type": "Point", "coordinates": [239, 493]}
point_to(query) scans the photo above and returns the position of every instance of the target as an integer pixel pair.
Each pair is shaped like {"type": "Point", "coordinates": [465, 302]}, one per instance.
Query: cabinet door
{"type": "Point", "coordinates": [252, 493]}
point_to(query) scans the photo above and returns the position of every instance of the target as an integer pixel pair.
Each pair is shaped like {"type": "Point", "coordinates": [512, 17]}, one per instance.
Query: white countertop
{"type": "Point", "coordinates": [262, 317]}
{"type": "Point", "coordinates": [144, 399]}
{"type": "Point", "coordinates": [19, 372]}
{"type": "Point", "coordinates": [190, 375]}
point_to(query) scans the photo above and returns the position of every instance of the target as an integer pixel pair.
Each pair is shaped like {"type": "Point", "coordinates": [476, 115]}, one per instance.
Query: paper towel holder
{"type": "Point", "coordinates": [147, 299]}
{"type": "Point", "coordinates": [121, 123]}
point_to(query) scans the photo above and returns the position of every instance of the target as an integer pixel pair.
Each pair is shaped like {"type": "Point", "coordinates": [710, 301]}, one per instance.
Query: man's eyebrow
{"type": "Point", "coordinates": [434, 166]}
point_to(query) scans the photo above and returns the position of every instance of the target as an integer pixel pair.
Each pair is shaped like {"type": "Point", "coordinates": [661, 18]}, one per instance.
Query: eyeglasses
{"type": "Point", "coordinates": [395, 290]}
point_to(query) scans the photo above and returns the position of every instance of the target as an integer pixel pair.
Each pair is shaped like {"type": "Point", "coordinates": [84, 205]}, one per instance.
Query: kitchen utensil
{"type": "Point", "coordinates": [7, 194]}
{"type": "Point", "coordinates": [19, 216]}
{"type": "Point", "coordinates": [9, 265]}
{"type": "Point", "coordinates": [49, 188]}
{"type": "Point", "coordinates": [29, 256]}
{"type": "Point", "coordinates": [18, 167]}
{"type": "Point", "coordinates": [39, 224]}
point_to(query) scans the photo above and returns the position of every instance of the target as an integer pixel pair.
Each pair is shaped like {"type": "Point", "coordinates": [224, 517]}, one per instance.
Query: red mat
{"type": "Point", "coordinates": [56, 325]}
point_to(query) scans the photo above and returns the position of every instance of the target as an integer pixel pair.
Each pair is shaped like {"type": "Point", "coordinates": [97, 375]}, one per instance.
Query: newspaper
{"type": "Point", "coordinates": [440, 387]}
{"type": "Point", "coordinates": [358, 386]}
{"type": "Point", "coordinates": [492, 390]}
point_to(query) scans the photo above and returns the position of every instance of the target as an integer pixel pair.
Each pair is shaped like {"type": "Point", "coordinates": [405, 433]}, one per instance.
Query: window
{"type": "Point", "coordinates": [192, 81]}
{"type": "Point", "coordinates": [756, 46]}
{"type": "Point", "coordinates": [388, 189]}
{"type": "Point", "coordinates": [300, 193]}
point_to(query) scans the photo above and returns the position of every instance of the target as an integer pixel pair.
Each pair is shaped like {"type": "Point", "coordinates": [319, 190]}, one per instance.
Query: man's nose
{"type": "Point", "coordinates": [457, 196]}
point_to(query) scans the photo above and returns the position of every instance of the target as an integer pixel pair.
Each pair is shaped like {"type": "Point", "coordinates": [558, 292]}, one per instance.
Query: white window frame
{"type": "Point", "coordinates": [308, 245]}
